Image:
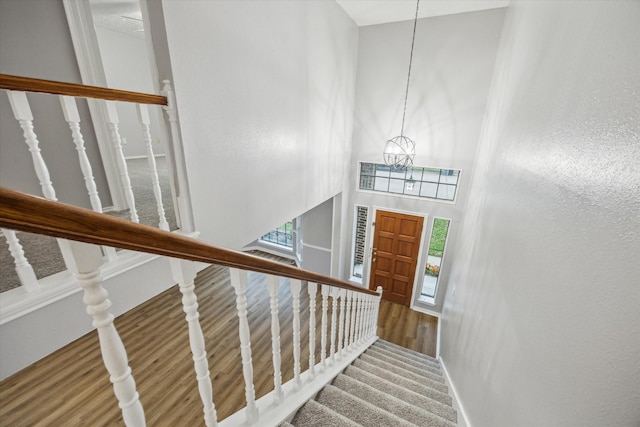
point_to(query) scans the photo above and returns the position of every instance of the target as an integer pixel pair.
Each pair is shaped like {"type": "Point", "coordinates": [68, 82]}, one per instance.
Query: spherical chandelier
{"type": "Point", "coordinates": [399, 151]}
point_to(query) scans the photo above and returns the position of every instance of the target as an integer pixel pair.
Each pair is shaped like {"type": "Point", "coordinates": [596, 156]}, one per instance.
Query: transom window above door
{"type": "Point", "coordinates": [416, 181]}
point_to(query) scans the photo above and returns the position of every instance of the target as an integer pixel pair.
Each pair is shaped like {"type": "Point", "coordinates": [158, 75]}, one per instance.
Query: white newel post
{"type": "Point", "coordinates": [71, 115]}
{"type": "Point", "coordinates": [184, 273]}
{"type": "Point", "coordinates": [324, 290]}
{"type": "Point", "coordinates": [116, 140]}
{"type": "Point", "coordinates": [88, 259]}
{"type": "Point", "coordinates": [23, 268]}
{"type": "Point", "coordinates": [341, 294]}
{"type": "Point", "coordinates": [184, 205]}
{"type": "Point", "coordinates": [377, 310]}
{"type": "Point", "coordinates": [348, 321]}
{"type": "Point", "coordinates": [273, 284]}
{"type": "Point", "coordinates": [143, 117]}
{"type": "Point", "coordinates": [22, 113]}
{"type": "Point", "coordinates": [312, 289]}
{"type": "Point", "coordinates": [239, 283]}
{"type": "Point", "coordinates": [296, 286]}
{"type": "Point", "coordinates": [334, 322]}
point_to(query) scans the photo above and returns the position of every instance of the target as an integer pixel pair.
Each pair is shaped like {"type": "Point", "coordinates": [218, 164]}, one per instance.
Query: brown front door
{"type": "Point", "coordinates": [395, 255]}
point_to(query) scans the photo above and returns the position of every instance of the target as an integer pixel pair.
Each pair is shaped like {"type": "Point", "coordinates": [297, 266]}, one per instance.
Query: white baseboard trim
{"type": "Point", "coordinates": [416, 307]}
{"type": "Point", "coordinates": [463, 419]}
{"type": "Point", "coordinates": [143, 157]}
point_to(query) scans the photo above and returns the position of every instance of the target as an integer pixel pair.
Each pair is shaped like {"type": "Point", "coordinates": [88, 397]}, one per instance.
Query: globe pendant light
{"type": "Point", "coordinates": [399, 151]}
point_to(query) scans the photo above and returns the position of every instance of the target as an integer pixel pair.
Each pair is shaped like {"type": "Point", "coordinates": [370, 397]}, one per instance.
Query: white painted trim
{"type": "Point", "coordinates": [144, 157]}
{"type": "Point", "coordinates": [271, 415]}
{"type": "Point", "coordinates": [463, 419]}
{"type": "Point", "coordinates": [85, 45]}
{"type": "Point", "coordinates": [316, 247]}
{"type": "Point", "coordinates": [428, 199]}
{"type": "Point", "coordinates": [17, 302]}
{"type": "Point", "coordinates": [438, 337]}
{"type": "Point", "coordinates": [425, 310]}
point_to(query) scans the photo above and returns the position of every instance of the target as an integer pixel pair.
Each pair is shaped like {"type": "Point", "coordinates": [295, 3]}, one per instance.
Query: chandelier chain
{"type": "Point", "coordinates": [406, 94]}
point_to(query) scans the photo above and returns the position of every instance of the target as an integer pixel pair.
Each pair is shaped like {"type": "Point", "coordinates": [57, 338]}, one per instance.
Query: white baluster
{"type": "Point", "coordinates": [357, 312]}
{"type": "Point", "coordinates": [342, 293]}
{"type": "Point", "coordinates": [22, 113]}
{"type": "Point", "coordinates": [239, 283]}
{"type": "Point", "coordinates": [23, 268]}
{"type": "Point", "coordinates": [334, 322]}
{"type": "Point", "coordinates": [88, 259]}
{"type": "Point", "coordinates": [361, 307]}
{"type": "Point", "coordinates": [348, 321]}
{"type": "Point", "coordinates": [312, 289]}
{"type": "Point", "coordinates": [143, 117]}
{"type": "Point", "coordinates": [324, 290]}
{"type": "Point", "coordinates": [354, 306]}
{"type": "Point", "coordinates": [365, 327]}
{"type": "Point", "coordinates": [184, 203]}
{"type": "Point", "coordinates": [369, 316]}
{"type": "Point", "coordinates": [184, 273]}
{"type": "Point", "coordinates": [273, 285]}
{"type": "Point", "coordinates": [71, 115]}
{"type": "Point", "coordinates": [116, 140]}
{"type": "Point", "coordinates": [295, 295]}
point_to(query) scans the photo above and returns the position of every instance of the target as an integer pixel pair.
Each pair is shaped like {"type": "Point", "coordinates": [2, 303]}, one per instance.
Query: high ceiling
{"type": "Point", "coordinates": [124, 15]}
{"type": "Point", "coordinates": [371, 12]}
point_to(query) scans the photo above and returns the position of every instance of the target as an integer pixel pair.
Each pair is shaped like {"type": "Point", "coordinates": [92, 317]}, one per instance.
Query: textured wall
{"type": "Point", "coordinates": [265, 93]}
{"type": "Point", "coordinates": [541, 325]}
{"type": "Point", "coordinates": [445, 108]}
{"type": "Point", "coordinates": [35, 42]}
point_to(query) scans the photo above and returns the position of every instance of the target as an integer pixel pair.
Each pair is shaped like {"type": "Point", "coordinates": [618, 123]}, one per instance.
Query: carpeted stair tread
{"type": "Point", "coordinates": [438, 403]}
{"type": "Point", "coordinates": [284, 424]}
{"type": "Point", "coordinates": [413, 367]}
{"type": "Point", "coordinates": [414, 353]}
{"type": "Point", "coordinates": [390, 403]}
{"type": "Point", "coordinates": [425, 377]}
{"type": "Point", "coordinates": [315, 414]}
{"type": "Point", "coordinates": [408, 383]}
{"type": "Point", "coordinates": [405, 357]}
{"type": "Point", "coordinates": [356, 409]}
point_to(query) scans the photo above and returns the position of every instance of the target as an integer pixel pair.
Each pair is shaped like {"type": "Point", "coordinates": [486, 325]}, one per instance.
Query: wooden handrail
{"type": "Point", "coordinates": [22, 212]}
{"type": "Point", "coordinates": [28, 84]}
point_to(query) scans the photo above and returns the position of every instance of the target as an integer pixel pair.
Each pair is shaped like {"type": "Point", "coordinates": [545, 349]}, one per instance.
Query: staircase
{"type": "Point", "coordinates": [387, 385]}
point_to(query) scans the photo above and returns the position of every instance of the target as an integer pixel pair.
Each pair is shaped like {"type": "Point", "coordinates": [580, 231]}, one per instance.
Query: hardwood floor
{"type": "Point", "coordinates": [71, 386]}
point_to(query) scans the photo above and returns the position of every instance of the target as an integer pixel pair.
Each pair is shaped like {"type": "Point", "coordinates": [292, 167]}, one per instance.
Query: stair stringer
{"type": "Point", "coordinates": [271, 415]}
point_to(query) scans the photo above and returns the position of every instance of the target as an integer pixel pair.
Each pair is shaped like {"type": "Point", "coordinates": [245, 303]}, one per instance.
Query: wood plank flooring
{"type": "Point", "coordinates": [71, 387]}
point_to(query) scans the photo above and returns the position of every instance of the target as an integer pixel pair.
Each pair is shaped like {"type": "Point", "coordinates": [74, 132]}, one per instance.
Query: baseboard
{"type": "Point", "coordinates": [415, 307]}
{"type": "Point", "coordinates": [143, 156]}
{"type": "Point", "coordinates": [463, 419]}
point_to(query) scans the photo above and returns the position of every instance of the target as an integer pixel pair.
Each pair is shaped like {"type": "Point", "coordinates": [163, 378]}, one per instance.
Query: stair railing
{"type": "Point", "coordinates": [17, 88]}
{"type": "Point", "coordinates": [350, 331]}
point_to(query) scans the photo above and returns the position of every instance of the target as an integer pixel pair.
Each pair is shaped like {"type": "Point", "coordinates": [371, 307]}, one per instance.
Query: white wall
{"type": "Point", "coordinates": [317, 228]}
{"type": "Point", "coordinates": [35, 42]}
{"type": "Point", "coordinates": [265, 94]}
{"type": "Point", "coordinates": [453, 62]}
{"type": "Point", "coordinates": [541, 325]}
{"type": "Point", "coordinates": [126, 66]}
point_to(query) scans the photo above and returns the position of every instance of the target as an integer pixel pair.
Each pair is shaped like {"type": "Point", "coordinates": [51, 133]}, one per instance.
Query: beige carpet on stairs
{"type": "Point", "coordinates": [388, 385]}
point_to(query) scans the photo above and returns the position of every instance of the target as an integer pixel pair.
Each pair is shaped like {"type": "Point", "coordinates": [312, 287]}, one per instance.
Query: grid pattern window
{"type": "Point", "coordinates": [358, 242]}
{"type": "Point", "coordinates": [431, 183]}
{"type": "Point", "coordinates": [282, 235]}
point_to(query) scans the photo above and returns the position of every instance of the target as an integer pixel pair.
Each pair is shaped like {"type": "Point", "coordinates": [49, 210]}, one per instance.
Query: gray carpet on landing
{"type": "Point", "coordinates": [370, 394]}
{"type": "Point", "coordinates": [42, 251]}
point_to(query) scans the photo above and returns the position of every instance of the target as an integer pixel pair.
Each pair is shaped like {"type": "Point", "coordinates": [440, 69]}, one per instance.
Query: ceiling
{"type": "Point", "coordinates": [371, 12]}
{"type": "Point", "coordinates": [124, 15]}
